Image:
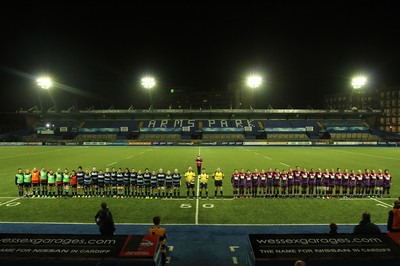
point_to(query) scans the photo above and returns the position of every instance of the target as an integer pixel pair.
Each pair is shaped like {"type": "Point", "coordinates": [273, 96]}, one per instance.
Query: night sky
{"type": "Point", "coordinates": [97, 52]}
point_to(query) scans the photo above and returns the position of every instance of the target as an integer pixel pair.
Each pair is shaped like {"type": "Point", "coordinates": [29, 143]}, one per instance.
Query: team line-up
{"type": "Point", "coordinates": [246, 184]}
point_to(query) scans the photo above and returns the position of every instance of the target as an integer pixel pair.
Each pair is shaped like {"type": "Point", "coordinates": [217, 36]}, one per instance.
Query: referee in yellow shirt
{"type": "Point", "coordinates": [190, 179]}
{"type": "Point", "coordinates": [218, 176]}
{"type": "Point", "coordinates": [203, 178]}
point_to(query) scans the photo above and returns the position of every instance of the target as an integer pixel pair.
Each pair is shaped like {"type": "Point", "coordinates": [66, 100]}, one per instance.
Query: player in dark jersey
{"type": "Point", "coordinates": [101, 183]}
{"type": "Point", "coordinates": [332, 180]}
{"type": "Point", "coordinates": [127, 183]}
{"type": "Point", "coordinates": [133, 183]}
{"type": "Point", "coordinates": [366, 183]}
{"type": "Point", "coordinates": [169, 184]}
{"type": "Point", "coordinates": [120, 183]}
{"type": "Point", "coordinates": [153, 184]}
{"type": "Point", "coordinates": [327, 177]}
{"type": "Point", "coordinates": [114, 182]}
{"type": "Point", "coordinates": [140, 185]}
{"type": "Point", "coordinates": [87, 183]}
{"type": "Point", "coordinates": [94, 175]}
{"type": "Point", "coordinates": [146, 182]}
{"type": "Point", "coordinates": [176, 180]}
{"type": "Point", "coordinates": [107, 183]}
{"type": "Point", "coordinates": [79, 180]}
{"type": "Point", "coordinates": [161, 183]}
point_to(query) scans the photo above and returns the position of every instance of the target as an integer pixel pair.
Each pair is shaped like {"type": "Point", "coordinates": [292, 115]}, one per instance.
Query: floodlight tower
{"type": "Point", "coordinates": [357, 83]}
{"type": "Point", "coordinates": [253, 82]}
{"type": "Point", "coordinates": [148, 83]}
{"type": "Point", "coordinates": [45, 83]}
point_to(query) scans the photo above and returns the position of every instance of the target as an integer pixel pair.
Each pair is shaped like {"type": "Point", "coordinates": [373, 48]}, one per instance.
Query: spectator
{"type": "Point", "coordinates": [366, 226]}
{"type": "Point", "coordinates": [393, 224]}
{"type": "Point", "coordinates": [105, 221]}
{"type": "Point", "coordinates": [333, 229]}
{"type": "Point", "coordinates": [300, 263]}
{"type": "Point", "coordinates": [162, 233]}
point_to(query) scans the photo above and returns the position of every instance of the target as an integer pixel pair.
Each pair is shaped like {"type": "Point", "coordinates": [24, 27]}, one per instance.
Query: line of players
{"type": "Point", "coordinates": [321, 184]}
{"type": "Point", "coordinates": [93, 183]}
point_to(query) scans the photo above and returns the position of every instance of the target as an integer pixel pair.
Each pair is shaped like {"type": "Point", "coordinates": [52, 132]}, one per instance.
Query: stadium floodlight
{"type": "Point", "coordinates": [358, 82]}
{"type": "Point", "coordinates": [254, 81]}
{"type": "Point", "coordinates": [44, 83]}
{"type": "Point", "coordinates": [148, 82]}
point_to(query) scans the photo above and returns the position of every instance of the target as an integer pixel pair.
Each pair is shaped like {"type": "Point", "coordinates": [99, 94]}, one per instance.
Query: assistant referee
{"type": "Point", "coordinates": [218, 176]}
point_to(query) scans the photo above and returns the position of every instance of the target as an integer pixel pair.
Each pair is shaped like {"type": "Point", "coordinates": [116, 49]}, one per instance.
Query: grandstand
{"type": "Point", "coordinates": [304, 127]}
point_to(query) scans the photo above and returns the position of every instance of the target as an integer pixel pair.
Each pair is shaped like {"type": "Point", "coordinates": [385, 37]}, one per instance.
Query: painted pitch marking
{"type": "Point", "coordinates": [284, 164]}
{"type": "Point", "coordinates": [369, 155]}
{"type": "Point", "coordinates": [267, 157]}
{"type": "Point", "coordinates": [381, 202]}
{"type": "Point", "coordinates": [129, 157]}
{"type": "Point", "coordinates": [112, 163]}
{"type": "Point", "coordinates": [233, 248]}
{"type": "Point", "coordinates": [235, 260]}
{"type": "Point", "coordinates": [7, 202]}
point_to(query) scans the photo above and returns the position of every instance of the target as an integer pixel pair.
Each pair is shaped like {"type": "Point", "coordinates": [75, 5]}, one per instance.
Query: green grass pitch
{"type": "Point", "coordinates": [183, 211]}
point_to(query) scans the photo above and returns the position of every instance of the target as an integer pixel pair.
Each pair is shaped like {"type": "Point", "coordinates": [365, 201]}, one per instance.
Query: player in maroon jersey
{"type": "Point", "coordinates": [270, 182]}
{"type": "Point", "coordinates": [332, 177]}
{"type": "Point", "coordinates": [254, 183]}
{"type": "Point", "coordinates": [297, 181]}
{"type": "Point", "coordinates": [242, 182]}
{"type": "Point", "coordinates": [276, 182]}
{"type": "Point", "coordinates": [359, 183]}
{"type": "Point", "coordinates": [366, 179]}
{"type": "Point", "coordinates": [345, 182]}
{"type": "Point", "coordinates": [327, 177]}
{"type": "Point", "coordinates": [304, 182]}
{"type": "Point", "coordinates": [235, 183]}
{"type": "Point", "coordinates": [379, 184]}
{"type": "Point", "coordinates": [263, 183]}
{"type": "Point", "coordinates": [290, 182]}
{"type": "Point", "coordinates": [284, 183]}
{"type": "Point", "coordinates": [249, 182]}
{"type": "Point", "coordinates": [387, 183]}
{"type": "Point", "coordinates": [338, 182]}
{"type": "Point", "coordinates": [352, 182]}
{"type": "Point", "coordinates": [319, 182]}
{"type": "Point", "coordinates": [372, 183]}
{"type": "Point", "coordinates": [311, 182]}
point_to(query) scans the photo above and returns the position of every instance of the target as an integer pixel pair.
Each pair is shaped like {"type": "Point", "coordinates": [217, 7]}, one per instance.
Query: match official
{"type": "Point", "coordinates": [218, 176]}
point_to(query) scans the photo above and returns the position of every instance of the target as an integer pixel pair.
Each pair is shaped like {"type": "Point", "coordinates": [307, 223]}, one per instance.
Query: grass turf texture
{"type": "Point", "coordinates": [182, 211]}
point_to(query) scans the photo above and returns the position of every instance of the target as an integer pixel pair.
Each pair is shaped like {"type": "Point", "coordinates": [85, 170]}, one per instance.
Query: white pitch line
{"type": "Point", "coordinates": [284, 164]}
{"type": "Point", "coordinates": [129, 157]}
{"type": "Point", "coordinates": [378, 204]}
{"type": "Point", "coordinates": [235, 260]}
{"type": "Point", "coordinates": [112, 163]}
{"type": "Point", "coordinates": [7, 202]}
{"type": "Point", "coordinates": [267, 157]}
{"type": "Point", "coordinates": [384, 203]}
{"type": "Point", "coordinates": [369, 155]}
